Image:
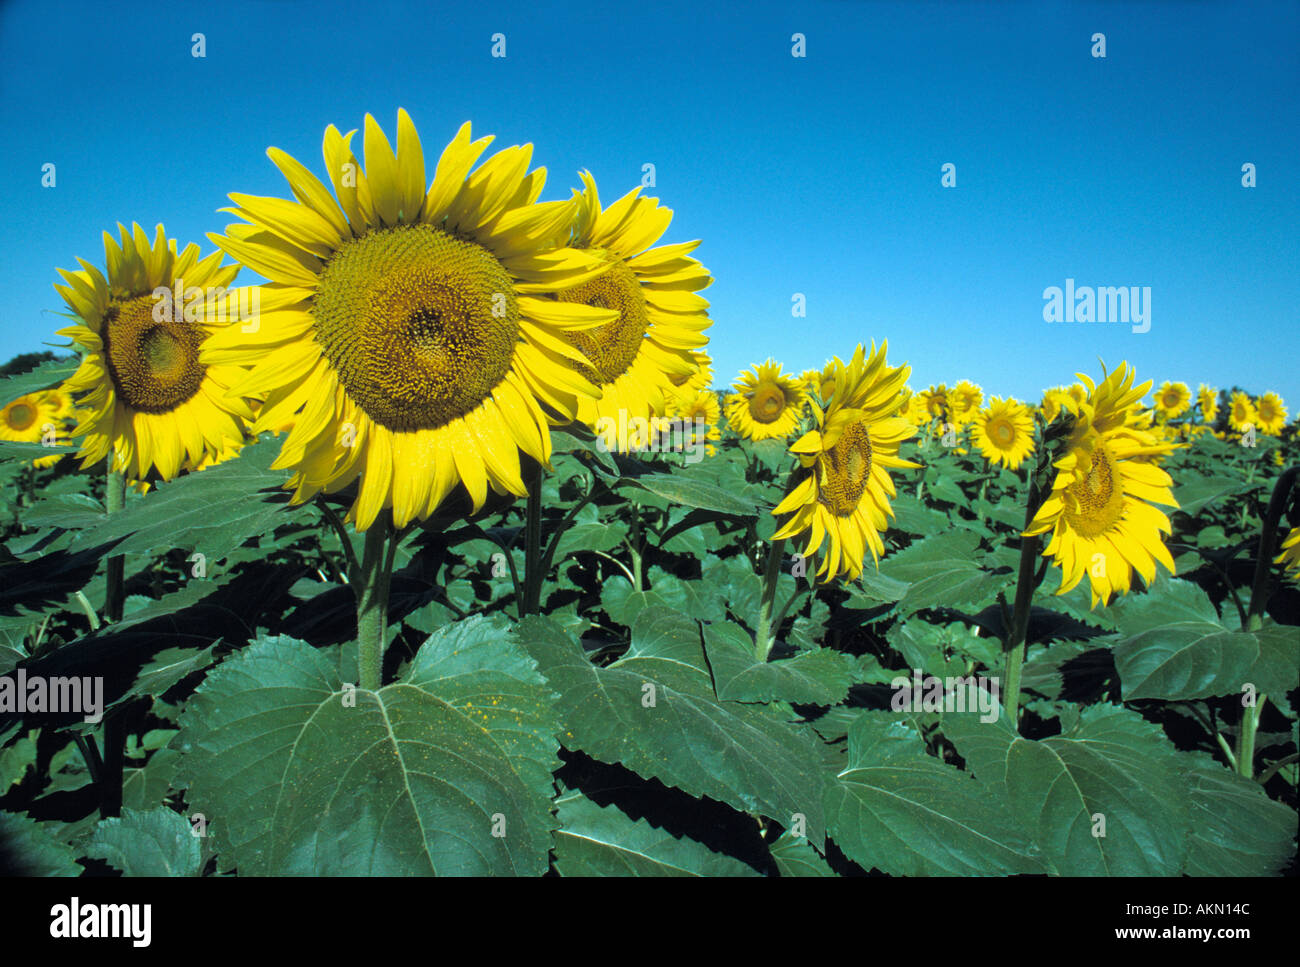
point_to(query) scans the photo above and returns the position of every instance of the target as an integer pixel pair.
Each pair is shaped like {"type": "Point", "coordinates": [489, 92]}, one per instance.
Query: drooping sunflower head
{"type": "Point", "coordinates": [767, 403]}
{"type": "Point", "coordinates": [1241, 412]}
{"type": "Point", "coordinates": [643, 356]}
{"type": "Point", "coordinates": [1100, 511]}
{"type": "Point", "coordinates": [1290, 556]}
{"type": "Point", "coordinates": [151, 401]}
{"type": "Point", "coordinates": [1004, 432]}
{"type": "Point", "coordinates": [842, 498]}
{"type": "Point", "coordinates": [966, 398]}
{"type": "Point", "coordinates": [1172, 400]}
{"type": "Point", "coordinates": [1270, 413]}
{"type": "Point", "coordinates": [1207, 400]}
{"type": "Point", "coordinates": [28, 419]}
{"type": "Point", "coordinates": [409, 331]}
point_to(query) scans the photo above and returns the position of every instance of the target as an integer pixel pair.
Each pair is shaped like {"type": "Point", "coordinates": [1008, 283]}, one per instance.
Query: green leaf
{"type": "Point", "coordinates": [155, 843]}
{"type": "Point", "coordinates": [903, 812]}
{"type": "Point", "coordinates": [47, 375]}
{"type": "Point", "coordinates": [1195, 494]}
{"type": "Point", "coordinates": [1114, 766]}
{"type": "Point", "coordinates": [16, 759]}
{"type": "Point", "coordinates": [1278, 668]}
{"type": "Point", "coordinates": [684, 490]}
{"type": "Point", "coordinates": [1236, 830]}
{"type": "Point", "coordinates": [27, 450]}
{"type": "Point", "coordinates": [654, 712]}
{"type": "Point", "coordinates": [213, 511]}
{"type": "Point", "coordinates": [603, 841]}
{"type": "Point", "coordinates": [412, 779]}
{"type": "Point", "coordinates": [28, 848]}
{"type": "Point", "coordinates": [818, 677]}
{"type": "Point", "coordinates": [795, 856]}
{"type": "Point", "coordinates": [941, 573]}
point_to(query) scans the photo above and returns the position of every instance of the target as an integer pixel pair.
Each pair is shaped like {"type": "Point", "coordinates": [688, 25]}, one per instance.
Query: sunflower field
{"type": "Point", "coordinates": [441, 552]}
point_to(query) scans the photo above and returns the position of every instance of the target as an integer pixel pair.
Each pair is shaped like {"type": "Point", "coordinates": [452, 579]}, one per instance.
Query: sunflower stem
{"type": "Point", "coordinates": [1026, 583]}
{"type": "Point", "coordinates": [114, 502]}
{"type": "Point", "coordinates": [764, 637]}
{"type": "Point", "coordinates": [533, 541]}
{"type": "Point", "coordinates": [1246, 737]}
{"type": "Point", "coordinates": [371, 589]}
{"type": "Point", "coordinates": [1259, 590]}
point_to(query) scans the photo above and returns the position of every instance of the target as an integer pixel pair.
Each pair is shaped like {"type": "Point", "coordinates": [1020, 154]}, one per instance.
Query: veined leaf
{"type": "Point", "coordinates": [155, 843]}
{"type": "Point", "coordinates": [818, 677]}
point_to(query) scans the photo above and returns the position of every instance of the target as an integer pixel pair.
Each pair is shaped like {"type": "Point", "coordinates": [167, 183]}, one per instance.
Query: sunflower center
{"type": "Point", "coordinates": [1099, 497]}
{"type": "Point", "coordinates": [1003, 434]}
{"type": "Point", "coordinates": [611, 348]}
{"type": "Point", "coordinates": [154, 362]}
{"type": "Point", "coordinates": [767, 403]}
{"type": "Point", "coordinates": [419, 325]}
{"type": "Point", "coordinates": [20, 416]}
{"type": "Point", "coordinates": [845, 470]}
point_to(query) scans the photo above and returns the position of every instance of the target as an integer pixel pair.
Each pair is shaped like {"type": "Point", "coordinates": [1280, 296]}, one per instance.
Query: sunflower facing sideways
{"type": "Point", "coordinates": [767, 403]}
{"type": "Point", "coordinates": [1004, 432]}
{"type": "Point", "coordinates": [1207, 401]}
{"type": "Point", "coordinates": [407, 328]}
{"type": "Point", "coordinates": [661, 320]}
{"type": "Point", "coordinates": [842, 499]}
{"type": "Point", "coordinates": [150, 400]}
{"type": "Point", "coordinates": [1100, 512]}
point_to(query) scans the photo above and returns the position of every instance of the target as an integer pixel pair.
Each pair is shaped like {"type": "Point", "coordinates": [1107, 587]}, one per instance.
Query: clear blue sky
{"type": "Point", "coordinates": [818, 175]}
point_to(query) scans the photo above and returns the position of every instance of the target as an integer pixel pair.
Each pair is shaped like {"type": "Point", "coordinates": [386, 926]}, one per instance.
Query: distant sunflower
{"type": "Point", "coordinates": [1100, 511]}
{"type": "Point", "coordinates": [1240, 412]}
{"type": "Point", "coordinates": [1055, 400]}
{"type": "Point", "coordinates": [1290, 556]}
{"type": "Point", "coordinates": [1270, 412]}
{"type": "Point", "coordinates": [407, 329]}
{"type": "Point", "coordinates": [700, 415]}
{"type": "Point", "coordinates": [1004, 432]}
{"type": "Point", "coordinates": [150, 400]}
{"type": "Point", "coordinates": [28, 418]}
{"type": "Point", "coordinates": [661, 320]}
{"type": "Point", "coordinates": [966, 399]}
{"type": "Point", "coordinates": [1172, 400]}
{"type": "Point", "coordinates": [842, 500]}
{"type": "Point", "coordinates": [767, 403]}
{"type": "Point", "coordinates": [937, 403]}
{"type": "Point", "coordinates": [60, 401]}
{"type": "Point", "coordinates": [1207, 400]}
{"type": "Point", "coordinates": [1078, 392]}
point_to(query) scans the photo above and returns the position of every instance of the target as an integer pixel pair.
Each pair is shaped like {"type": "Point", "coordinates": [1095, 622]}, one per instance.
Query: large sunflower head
{"type": "Point", "coordinates": [842, 498]}
{"type": "Point", "coordinates": [409, 330]}
{"type": "Point", "coordinates": [637, 359]}
{"type": "Point", "coordinates": [150, 400]}
{"type": "Point", "coordinates": [1241, 412]}
{"type": "Point", "coordinates": [1100, 511]}
{"type": "Point", "coordinates": [767, 403]}
{"type": "Point", "coordinates": [1270, 413]}
{"type": "Point", "coordinates": [1172, 400]}
{"type": "Point", "coordinates": [1207, 400]}
{"type": "Point", "coordinates": [1004, 432]}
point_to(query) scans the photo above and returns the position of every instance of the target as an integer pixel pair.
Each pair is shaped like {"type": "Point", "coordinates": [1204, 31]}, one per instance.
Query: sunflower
{"type": "Point", "coordinates": [1004, 432]}
{"type": "Point", "coordinates": [1290, 556]}
{"type": "Point", "coordinates": [1100, 509]}
{"type": "Point", "coordinates": [1270, 414]}
{"type": "Point", "coordinates": [1056, 400]}
{"type": "Point", "coordinates": [408, 329]}
{"type": "Point", "coordinates": [966, 398]}
{"type": "Point", "coordinates": [28, 419]}
{"type": "Point", "coordinates": [632, 360]}
{"type": "Point", "coordinates": [1078, 393]}
{"type": "Point", "coordinates": [937, 404]}
{"type": "Point", "coordinates": [151, 401]}
{"type": "Point", "coordinates": [843, 497]}
{"type": "Point", "coordinates": [767, 403]}
{"type": "Point", "coordinates": [700, 414]}
{"type": "Point", "coordinates": [1172, 400]}
{"type": "Point", "coordinates": [821, 382]}
{"type": "Point", "coordinates": [1207, 400]}
{"type": "Point", "coordinates": [60, 401]}
{"type": "Point", "coordinates": [1241, 412]}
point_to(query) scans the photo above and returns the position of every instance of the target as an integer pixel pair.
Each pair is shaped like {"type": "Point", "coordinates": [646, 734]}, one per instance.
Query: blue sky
{"type": "Point", "coordinates": [817, 175]}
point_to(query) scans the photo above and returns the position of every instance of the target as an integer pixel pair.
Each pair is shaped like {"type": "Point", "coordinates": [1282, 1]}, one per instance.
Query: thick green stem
{"type": "Point", "coordinates": [764, 634]}
{"type": "Point", "coordinates": [533, 541]}
{"type": "Point", "coordinates": [1246, 737]}
{"type": "Point", "coordinates": [114, 501]}
{"type": "Point", "coordinates": [1259, 590]}
{"type": "Point", "coordinates": [371, 588]}
{"type": "Point", "coordinates": [1026, 582]}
